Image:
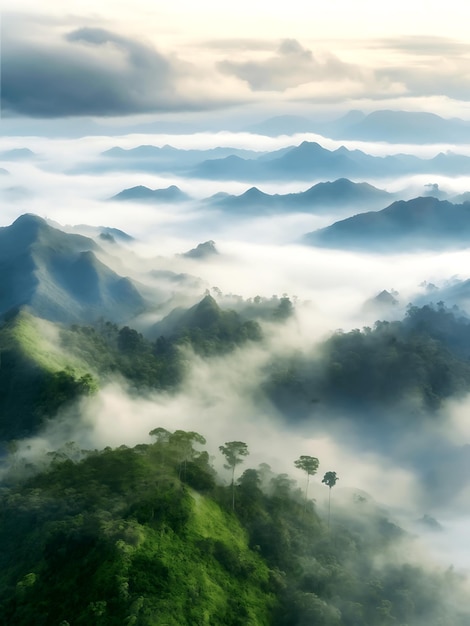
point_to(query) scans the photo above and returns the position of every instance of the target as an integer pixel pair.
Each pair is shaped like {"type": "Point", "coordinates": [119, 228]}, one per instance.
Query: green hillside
{"type": "Point", "coordinates": [44, 366]}
{"type": "Point", "coordinates": [147, 536]}
{"type": "Point", "coordinates": [37, 376]}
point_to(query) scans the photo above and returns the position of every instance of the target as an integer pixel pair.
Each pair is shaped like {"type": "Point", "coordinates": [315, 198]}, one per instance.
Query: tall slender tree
{"type": "Point", "coordinates": [233, 451]}
{"type": "Point", "coordinates": [330, 479]}
{"type": "Point", "coordinates": [309, 464]}
{"type": "Point", "coordinates": [182, 442]}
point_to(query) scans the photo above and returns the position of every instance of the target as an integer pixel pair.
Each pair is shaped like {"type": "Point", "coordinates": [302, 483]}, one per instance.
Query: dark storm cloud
{"type": "Point", "coordinates": [292, 65]}
{"type": "Point", "coordinates": [90, 71]}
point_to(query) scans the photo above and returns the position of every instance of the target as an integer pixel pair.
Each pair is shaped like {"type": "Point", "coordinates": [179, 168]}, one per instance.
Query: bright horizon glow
{"type": "Point", "coordinates": [251, 58]}
{"type": "Point", "coordinates": [336, 20]}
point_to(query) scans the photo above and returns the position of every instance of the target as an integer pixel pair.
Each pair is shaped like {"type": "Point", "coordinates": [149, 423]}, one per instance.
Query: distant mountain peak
{"type": "Point", "coordinates": [253, 192]}
{"type": "Point", "coordinates": [145, 194]}
{"type": "Point", "coordinates": [29, 219]}
{"type": "Point", "coordinates": [202, 250]}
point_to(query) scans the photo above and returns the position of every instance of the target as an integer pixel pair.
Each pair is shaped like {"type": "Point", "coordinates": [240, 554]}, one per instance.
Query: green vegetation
{"type": "Point", "coordinates": [151, 536]}
{"type": "Point", "coordinates": [330, 479]}
{"type": "Point", "coordinates": [37, 377]}
{"type": "Point", "coordinates": [210, 330]}
{"type": "Point", "coordinates": [233, 451]}
{"type": "Point", "coordinates": [45, 367]}
{"type": "Point", "coordinates": [395, 371]}
{"type": "Point", "coordinates": [412, 365]}
{"type": "Point", "coordinates": [309, 464]}
{"type": "Point", "coordinates": [125, 536]}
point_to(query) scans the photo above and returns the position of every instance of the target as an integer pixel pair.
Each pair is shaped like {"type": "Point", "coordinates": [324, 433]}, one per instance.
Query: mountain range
{"type": "Point", "coordinates": [341, 193]}
{"type": "Point", "coordinates": [148, 158]}
{"type": "Point", "coordinates": [307, 161]}
{"type": "Point", "coordinates": [420, 223]}
{"type": "Point", "coordinates": [310, 160]}
{"type": "Point", "coordinates": [405, 127]}
{"type": "Point", "coordinates": [391, 126]}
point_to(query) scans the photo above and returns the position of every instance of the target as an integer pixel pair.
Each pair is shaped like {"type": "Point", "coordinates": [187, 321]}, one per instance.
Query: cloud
{"type": "Point", "coordinates": [445, 76]}
{"type": "Point", "coordinates": [239, 43]}
{"type": "Point", "coordinates": [292, 65]}
{"type": "Point", "coordinates": [92, 72]}
{"type": "Point", "coordinates": [80, 67]}
{"type": "Point", "coordinates": [432, 46]}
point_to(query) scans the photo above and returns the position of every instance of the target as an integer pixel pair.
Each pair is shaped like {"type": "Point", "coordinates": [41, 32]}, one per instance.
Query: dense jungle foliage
{"type": "Point", "coordinates": [412, 365]}
{"type": "Point", "coordinates": [148, 535]}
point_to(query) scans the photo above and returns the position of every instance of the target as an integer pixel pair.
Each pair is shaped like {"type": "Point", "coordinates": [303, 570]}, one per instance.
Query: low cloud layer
{"type": "Point", "coordinates": [257, 256]}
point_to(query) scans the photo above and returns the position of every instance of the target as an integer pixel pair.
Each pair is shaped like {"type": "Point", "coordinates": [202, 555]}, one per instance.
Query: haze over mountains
{"type": "Point", "coordinates": [166, 158]}
{"type": "Point", "coordinates": [306, 161]}
{"type": "Point", "coordinates": [421, 223]}
{"type": "Point", "coordinates": [405, 127]}
{"type": "Point", "coordinates": [144, 194]}
{"type": "Point", "coordinates": [329, 347]}
{"type": "Point", "coordinates": [234, 314]}
{"type": "Point", "coordinates": [400, 127]}
{"type": "Point", "coordinates": [322, 197]}
{"type": "Point", "coordinates": [310, 160]}
{"type": "Point", "coordinates": [58, 276]}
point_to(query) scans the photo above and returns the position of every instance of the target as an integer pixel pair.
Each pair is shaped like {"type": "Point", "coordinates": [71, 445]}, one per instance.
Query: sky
{"type": "Point", "coordinates": [217, 61]}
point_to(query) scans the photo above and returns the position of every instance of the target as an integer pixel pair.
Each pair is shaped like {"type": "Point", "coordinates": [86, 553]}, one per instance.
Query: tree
{"type": "Point", "coordinates": [233, 451]}
{"type": "Point", "coordinates": [162, 436]}
{"type": "Point", "coordinates": [308, 464]}
{"type": "Point", "coordinates": [183, 441]}
{"type": "Point", "coordinates": [330, 479]}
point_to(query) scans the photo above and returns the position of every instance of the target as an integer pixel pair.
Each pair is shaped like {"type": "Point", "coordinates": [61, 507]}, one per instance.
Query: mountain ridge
{"type": "Point", "coordinates": [421, 223]}
{"type": "Point", "coordinates": [58, 276]}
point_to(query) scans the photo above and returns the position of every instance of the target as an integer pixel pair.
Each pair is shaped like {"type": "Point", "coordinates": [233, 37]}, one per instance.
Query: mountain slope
{"type": "Point", "coordinates": [421, 223]}
{"type": "Point", "coordinates": [207, 328]}
{"type": "Point", "coordinates": [58, 276]}
{"type": "Point", "coordinates": [148, 537]}
{"type": "Point", "coordinates": [341, 193]}
{"type": "Point", "coordinates": [37, 376]}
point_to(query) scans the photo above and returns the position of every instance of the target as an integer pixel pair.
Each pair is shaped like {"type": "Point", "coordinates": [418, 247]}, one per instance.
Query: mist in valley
{"type": "Point", "coordinates": [407, 473]}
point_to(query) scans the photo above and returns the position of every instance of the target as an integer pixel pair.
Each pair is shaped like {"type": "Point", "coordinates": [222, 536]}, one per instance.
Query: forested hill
{"type": "Point", "coordinates": [413, 365]}
{"type": "Point", "coordinates": [150, 535]}
{"type": "Point", "coordinates": [45, 366]}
